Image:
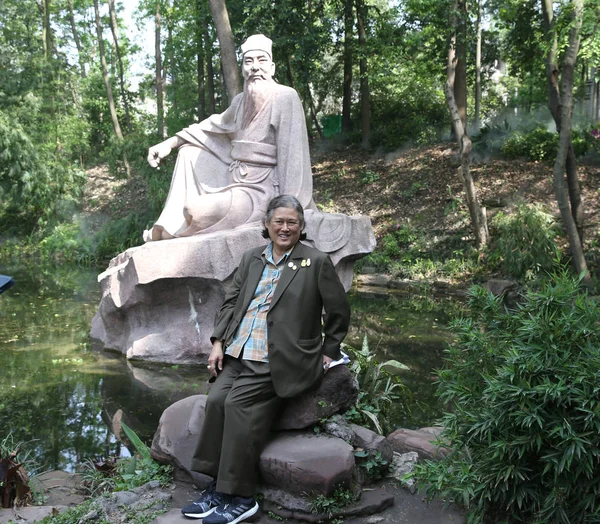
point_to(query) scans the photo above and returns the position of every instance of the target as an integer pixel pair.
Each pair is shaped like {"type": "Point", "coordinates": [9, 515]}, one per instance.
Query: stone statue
{"type": "Point", "coordinates": [231, 165]}
{"type": "Point", "coordinates": [160, 300]}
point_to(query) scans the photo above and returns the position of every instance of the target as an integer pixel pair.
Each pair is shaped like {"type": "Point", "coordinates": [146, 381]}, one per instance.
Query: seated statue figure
{"type": "Point", "coordinates": [230, 165]}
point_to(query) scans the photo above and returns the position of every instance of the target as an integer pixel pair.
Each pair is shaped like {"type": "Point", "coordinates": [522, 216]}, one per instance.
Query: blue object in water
{"type": "Point", "coordinates": [6, 282]}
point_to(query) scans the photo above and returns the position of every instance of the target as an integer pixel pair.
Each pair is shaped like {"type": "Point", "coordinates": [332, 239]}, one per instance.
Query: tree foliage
{"type": "Point", "coordinates": [54, 100]}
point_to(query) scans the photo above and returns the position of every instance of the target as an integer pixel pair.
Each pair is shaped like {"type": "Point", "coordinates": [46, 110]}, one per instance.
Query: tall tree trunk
{"type": "Point", "coordinates": [210, 72]}
{"type": "Point", "coordinates": [307, 99]}
{"type": "Point", "coordinates": [114, 30]}
{"type": "Point", "coordinates": [290, 73]}
{"type": "Point", "coordinates": [365, 104]}
{"type": "Point", "coordinates": [76, 39]}
{"type": "Point", "coordinates": [229, 64]}
{"type": "Point", "coordinates": [476, 212]}
{"type": "Point", "coordinates": [47, 30]}
{"type": "Point", "coordinates": [460, 83]}
{"type": "Point", "coordinates": [167, 65]}
{"type": "Point", "coordinates": [109, 93]}
{"type": "Point", "coordinates": [313, 112]}
{"type": "Point", "coordinates": [593, 95]}
{"type": "Point", "coordinates": [348, 59]}
{"type": "Point", "coordinates": [478, 69]}
{"type": "Point", "coordinates": [201, 106]}
{"type": "Point", "coordinates": [554, 104]}
{"type": "Point", "coordinates": [565, 145]}
{"type": "Point", "coordinates": [160, 110]}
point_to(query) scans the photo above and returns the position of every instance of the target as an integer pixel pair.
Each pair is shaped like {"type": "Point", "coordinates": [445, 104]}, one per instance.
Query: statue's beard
{"type": "Point", "coordinates": [256, 94]}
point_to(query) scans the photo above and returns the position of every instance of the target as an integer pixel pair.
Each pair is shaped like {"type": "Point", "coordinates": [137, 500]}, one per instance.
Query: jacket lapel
{"type": "Point", "coordinates": [288, 273]}
{"type": "Point", "coordinates": [254, 272]}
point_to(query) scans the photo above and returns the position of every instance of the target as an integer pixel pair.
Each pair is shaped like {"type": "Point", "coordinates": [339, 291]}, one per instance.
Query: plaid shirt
{"type": "Point", "coordinates": [251, 336]}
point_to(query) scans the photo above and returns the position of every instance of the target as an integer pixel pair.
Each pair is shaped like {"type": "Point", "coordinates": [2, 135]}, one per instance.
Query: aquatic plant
{"type": "Point", "coordinates": [14, 481]}
{"type": "Point", "coordinates": [379, 389]}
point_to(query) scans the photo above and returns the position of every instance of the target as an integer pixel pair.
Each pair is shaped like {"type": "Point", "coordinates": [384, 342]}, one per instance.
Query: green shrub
{"type": "Point", "coordinates": [372, 462]}
{"type": "Point", "coordinates": [525, 421]}
{"type": "Point", "coordinates": [414, 113]}
{"type": "Point", "coordinates": [66, 243]}
{"type": "Point", "coordinates": [409, 252]}
{"type": "Point", "coordinates": [542, 145]}
{"type": "Point", "coordinates": [524, 241]}
{"type": "Point", "coordinates": [121, 234]}
{"type": "Point", "coordinates": [36, 186]}
{"type": "Point", "coordinates": [539, 144]}
{"type": "Point", "coordinates": [323, 505]}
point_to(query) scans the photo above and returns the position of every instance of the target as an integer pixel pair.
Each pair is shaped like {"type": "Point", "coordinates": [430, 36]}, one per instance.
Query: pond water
{"type": "Point", "coordinates": [64, 401]}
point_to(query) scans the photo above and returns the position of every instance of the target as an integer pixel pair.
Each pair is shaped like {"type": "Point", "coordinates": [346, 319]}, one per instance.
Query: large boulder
{"type": "Point", "coordinates": [177, 435]}
{"type": "Point", "coordinates": [160, 300]}
{"type": "Point", "coordinates": [300, 463]}
{"type": "Point", "coordinates": [292, 465]}
{"type": "Point", "coordinates": [180, 424]}
{"type": "Point", "coordinates": [337, 393]}
{"type": "Point", "coordinates": [294, 461]}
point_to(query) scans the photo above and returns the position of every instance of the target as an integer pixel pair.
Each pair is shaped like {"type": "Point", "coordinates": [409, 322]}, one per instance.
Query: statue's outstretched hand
{"type": "Point", "coordinates": [158, 152]}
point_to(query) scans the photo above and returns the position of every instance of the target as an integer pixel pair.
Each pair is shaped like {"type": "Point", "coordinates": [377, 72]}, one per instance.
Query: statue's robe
{"type": "Point", "coordinates": [227, 172]}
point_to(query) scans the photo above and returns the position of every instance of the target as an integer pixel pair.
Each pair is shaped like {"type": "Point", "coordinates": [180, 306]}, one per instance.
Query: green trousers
{"type": "Point", "coordinates": [240, 410]}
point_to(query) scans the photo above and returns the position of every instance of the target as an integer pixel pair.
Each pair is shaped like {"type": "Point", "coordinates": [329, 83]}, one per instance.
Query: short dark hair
{"type": "Point", "coordinates": [283, 201]}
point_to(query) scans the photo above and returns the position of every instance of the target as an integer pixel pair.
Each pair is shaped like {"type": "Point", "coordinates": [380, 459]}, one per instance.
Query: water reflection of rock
{"type": "Point", "coordinates": [139, 395]}
{"type": "Point", "coordinates": [171, 381]}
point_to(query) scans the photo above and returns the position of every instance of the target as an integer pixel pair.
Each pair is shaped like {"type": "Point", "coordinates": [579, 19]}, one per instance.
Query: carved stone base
{"type": "Point", "coordinates": [160, 300]}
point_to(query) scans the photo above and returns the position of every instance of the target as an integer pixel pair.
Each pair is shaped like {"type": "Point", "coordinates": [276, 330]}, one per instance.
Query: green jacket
{"type": "Point", "coordinates": [294, 321]}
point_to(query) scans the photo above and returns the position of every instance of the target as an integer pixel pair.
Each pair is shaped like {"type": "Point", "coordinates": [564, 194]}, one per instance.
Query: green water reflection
{"type": "Point", "coordinates": [56, 395]}
{"type": "Point", "coordinates": [66, 402]}
{"type": "Point", "coordinates": [412, 330]}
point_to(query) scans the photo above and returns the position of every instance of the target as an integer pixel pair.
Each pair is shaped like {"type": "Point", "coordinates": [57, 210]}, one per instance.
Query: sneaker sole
{"type": "Point", "coordinates": [198, 515]}
{"type": "Point", "coordinates": [246, 515]}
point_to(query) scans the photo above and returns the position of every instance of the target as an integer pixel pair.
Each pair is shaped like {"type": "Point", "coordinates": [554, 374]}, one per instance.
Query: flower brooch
{"type": "Point", "coordinates": [305, 263]}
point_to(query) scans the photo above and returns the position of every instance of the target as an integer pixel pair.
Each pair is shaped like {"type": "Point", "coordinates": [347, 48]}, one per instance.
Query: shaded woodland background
{"type": "Point", "coordinates": [500, 77]}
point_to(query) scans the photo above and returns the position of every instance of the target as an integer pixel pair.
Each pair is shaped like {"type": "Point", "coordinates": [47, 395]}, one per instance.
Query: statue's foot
{"type": "Point", "coordinates": [147, 235]}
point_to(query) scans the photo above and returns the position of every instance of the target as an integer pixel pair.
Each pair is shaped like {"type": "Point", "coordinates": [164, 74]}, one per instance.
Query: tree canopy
{"type": "Point", "coordinates": [382, 62]}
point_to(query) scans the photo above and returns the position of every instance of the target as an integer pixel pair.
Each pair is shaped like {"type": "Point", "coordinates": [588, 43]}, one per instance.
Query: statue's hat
{"type": "Point", "coordinates": [258, 43]}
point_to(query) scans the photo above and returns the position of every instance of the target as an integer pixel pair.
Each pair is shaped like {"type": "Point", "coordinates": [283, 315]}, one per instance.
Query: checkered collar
{"type": "Point", "coordinates": [267, 255]}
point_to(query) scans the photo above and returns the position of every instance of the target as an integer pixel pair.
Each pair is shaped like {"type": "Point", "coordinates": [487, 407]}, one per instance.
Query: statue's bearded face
{"type": "Point", "coordinates": [257, 66]}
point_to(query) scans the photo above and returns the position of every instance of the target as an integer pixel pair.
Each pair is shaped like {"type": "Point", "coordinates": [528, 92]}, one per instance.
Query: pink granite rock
{"type": "Point", "coordinates": [177, 435]}
{"type": "Point", "coordinates": [369, 440]}
{"type": "Point", "coordinates": [307, 463]}
{"type": "Point", "coordinates": [337, 393]}
{"type": "Point", "coordinates": [294, 461]}
{"type": "Point", "coordinates": [160, 300]}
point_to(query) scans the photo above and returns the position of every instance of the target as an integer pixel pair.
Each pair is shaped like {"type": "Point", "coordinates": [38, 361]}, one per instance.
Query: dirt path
{"type": "Point", "coordinates": [407, 508]}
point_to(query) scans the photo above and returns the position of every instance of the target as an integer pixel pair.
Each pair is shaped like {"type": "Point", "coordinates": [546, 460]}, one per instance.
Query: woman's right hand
{"type": "Point", "coordinates": [215, 359]}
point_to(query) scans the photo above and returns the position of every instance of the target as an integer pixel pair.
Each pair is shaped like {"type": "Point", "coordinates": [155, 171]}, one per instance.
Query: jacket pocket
{"type": "Point", "coordinates": [310, 342]}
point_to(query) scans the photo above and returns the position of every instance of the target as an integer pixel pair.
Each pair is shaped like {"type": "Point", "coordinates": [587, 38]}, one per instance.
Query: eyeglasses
{"type": "Point", "coordinates": [290, 223]}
